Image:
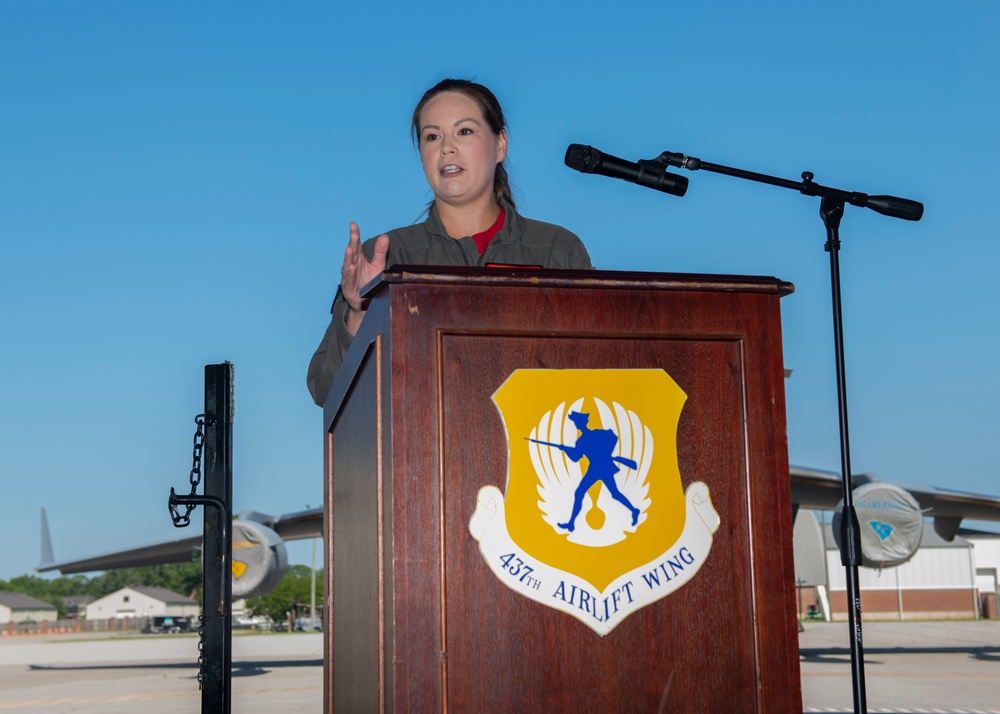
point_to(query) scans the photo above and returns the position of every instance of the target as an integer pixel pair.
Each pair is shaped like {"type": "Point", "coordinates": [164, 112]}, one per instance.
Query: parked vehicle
{"type": "Point", "coordinates": [167, 625]}
{"type": "Point", "coordinates": [302, 625]}
{"type": "Point", "coordinates": [251, 622]}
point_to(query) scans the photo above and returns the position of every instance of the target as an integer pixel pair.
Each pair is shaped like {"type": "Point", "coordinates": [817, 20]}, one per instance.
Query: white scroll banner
{"type": "Point", "coordinates": [601, 611]}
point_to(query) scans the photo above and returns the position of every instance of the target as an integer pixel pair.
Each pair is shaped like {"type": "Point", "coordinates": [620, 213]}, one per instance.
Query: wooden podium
{"type": "Point", "coordinates": [417, 621]}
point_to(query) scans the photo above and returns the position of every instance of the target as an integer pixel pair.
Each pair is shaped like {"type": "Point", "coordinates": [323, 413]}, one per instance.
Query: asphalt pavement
{"type": "Point", "coordinates": [156, 674]}
{"type": "Point", "coordinates": [909, 668]}
{"type": "Point", "coordinates": [948, 666]}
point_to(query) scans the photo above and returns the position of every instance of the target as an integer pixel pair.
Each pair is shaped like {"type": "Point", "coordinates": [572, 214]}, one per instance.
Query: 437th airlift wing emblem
{"type": "Point", "coordinates": [595, 521]}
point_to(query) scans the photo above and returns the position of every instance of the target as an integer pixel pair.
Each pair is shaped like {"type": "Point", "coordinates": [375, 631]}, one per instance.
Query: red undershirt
{"type": "Point", "coordinates": [483, 239]}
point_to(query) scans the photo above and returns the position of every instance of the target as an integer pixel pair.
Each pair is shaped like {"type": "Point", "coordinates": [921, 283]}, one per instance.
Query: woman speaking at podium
{"type": "Point", "coordinates": [461, 132]}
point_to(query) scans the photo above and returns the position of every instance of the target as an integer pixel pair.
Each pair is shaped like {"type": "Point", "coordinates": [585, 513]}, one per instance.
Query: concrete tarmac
{"type": "Point", "coordinates": [920, 667]}
{"type": "Point", "coordinates": [156, 674]}
{"type": "Point", "coordinates": [910, 667]}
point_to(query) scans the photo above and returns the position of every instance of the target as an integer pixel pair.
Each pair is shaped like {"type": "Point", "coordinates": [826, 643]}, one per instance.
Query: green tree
{"type": "Point", "coordinates": [30, 585]}
{"type": "Point", "coordinates": [294, 587]}
{"type": "Point", "coordinates": [183, 578]}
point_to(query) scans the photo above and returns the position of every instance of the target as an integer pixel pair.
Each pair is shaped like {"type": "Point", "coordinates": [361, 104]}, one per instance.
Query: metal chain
{"type": "Point", "coordinates": [199, 445]}
{"type": "Point", "coordinates": [180, 521]}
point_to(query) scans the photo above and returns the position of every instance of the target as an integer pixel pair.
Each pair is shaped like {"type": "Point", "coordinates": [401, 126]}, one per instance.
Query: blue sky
{"type": "Point", "coordinates": [176, 181]}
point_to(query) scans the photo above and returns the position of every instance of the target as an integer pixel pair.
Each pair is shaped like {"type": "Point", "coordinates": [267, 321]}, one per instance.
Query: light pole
{"type": "Point", "coordinates": [312, 589]}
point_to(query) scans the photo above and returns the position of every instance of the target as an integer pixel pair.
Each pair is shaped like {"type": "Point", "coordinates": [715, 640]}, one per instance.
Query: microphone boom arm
{"type": "Point", "coordinates": [886, 205]}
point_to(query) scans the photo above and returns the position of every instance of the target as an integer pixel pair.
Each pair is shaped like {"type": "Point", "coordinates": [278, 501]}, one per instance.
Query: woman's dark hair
{"type": "Point", "coordinates": [492, 113]}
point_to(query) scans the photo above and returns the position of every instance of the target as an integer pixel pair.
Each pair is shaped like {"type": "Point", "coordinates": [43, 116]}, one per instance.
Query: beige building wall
{"type": "Point", "coordinates": [131, 603]}
{"type": "Point", "coordinates": [9, 615]}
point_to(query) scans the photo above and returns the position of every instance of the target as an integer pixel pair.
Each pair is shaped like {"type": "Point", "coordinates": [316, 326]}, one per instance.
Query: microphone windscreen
{"type": "Point", "coordinates": [583, 158]}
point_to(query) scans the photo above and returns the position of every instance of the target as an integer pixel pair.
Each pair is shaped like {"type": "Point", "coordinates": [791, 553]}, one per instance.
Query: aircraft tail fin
{"type": "Point", "coordinates": [47, 558]}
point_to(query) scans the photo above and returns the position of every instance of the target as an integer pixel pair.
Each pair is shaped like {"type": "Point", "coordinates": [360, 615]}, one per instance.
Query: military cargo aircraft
{"type": "Point", "coordinates": [259, 558]}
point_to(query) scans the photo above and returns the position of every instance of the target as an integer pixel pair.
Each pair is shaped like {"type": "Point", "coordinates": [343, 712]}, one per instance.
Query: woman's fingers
{"type": "Point", "coordinates": [357, 270]}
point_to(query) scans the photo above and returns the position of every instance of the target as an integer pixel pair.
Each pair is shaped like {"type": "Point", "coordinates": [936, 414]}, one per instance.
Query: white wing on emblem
{"type": "Point", "coordinates": [559, 476]}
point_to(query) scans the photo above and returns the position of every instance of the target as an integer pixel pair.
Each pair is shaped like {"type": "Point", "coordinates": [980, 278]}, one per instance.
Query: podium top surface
{"type": "Point", "coordinates": [515, 276]}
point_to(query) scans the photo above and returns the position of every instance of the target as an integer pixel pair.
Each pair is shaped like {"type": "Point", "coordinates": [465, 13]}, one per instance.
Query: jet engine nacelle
{"type": "Point", "coordinates": [259, 559]}
{"type": "Point", "coordinates": [892, 524]}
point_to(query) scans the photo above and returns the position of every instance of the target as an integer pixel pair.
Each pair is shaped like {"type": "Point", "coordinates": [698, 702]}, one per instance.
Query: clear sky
{"type": "Point", "coordinates": [177, 178]}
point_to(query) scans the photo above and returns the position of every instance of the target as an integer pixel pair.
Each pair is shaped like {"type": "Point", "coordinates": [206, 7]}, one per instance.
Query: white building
{"type": "Point", "coordinates": [938, 582]}
{"type": "Point", "coordinates": [986, 548]}
{"type": "Point", "coordinates": [18, 607]}
{"type": "Point", "coordinates": [954, 579]}
{"type": "Point", "coordinates": [135, 602]}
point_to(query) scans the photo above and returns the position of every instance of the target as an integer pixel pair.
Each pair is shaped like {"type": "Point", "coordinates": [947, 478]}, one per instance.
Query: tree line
{"type": "Point", "coordinates": [183, 578]}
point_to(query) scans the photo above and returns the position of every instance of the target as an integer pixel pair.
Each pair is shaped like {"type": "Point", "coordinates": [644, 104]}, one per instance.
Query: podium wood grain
{"type": "Point", "coordinates": [416, 620]}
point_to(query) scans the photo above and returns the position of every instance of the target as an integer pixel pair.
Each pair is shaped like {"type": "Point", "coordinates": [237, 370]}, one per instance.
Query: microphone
{"type": "Point", "coordinates": [651, 173]}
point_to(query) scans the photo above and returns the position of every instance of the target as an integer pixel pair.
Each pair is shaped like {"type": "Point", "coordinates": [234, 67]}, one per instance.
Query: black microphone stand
{"type": "Point", "coordinates": [831, 210]}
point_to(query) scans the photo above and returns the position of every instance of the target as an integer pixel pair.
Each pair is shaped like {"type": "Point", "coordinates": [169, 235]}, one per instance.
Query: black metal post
{"type": "Point", "coordinates": [832, 210]}
{"type": "Point", "coordinates": [217, 550]}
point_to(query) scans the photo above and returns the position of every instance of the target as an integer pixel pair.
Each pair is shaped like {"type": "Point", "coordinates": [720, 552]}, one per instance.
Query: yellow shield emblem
{"type": "Point", "coordinates": [595, 521]}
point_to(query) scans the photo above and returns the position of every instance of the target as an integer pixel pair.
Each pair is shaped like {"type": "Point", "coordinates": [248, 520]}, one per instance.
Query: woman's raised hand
{"type": "Point", "coordinates": [357, 271]}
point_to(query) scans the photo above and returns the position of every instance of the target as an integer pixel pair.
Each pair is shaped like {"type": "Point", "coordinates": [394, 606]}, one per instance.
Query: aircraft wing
{"type": "Point", "coordinates": [822, 490]}
{"type": "Point", "coordinates": [292, 526]}
{"type": "Point", "coordinates": [811, 488]}
{"type": "Point", "coordinates": [181, 550]}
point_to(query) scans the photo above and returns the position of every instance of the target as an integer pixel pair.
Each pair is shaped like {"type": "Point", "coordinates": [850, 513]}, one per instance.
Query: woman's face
{"type": "Point", "coordinates": [458, 150]}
